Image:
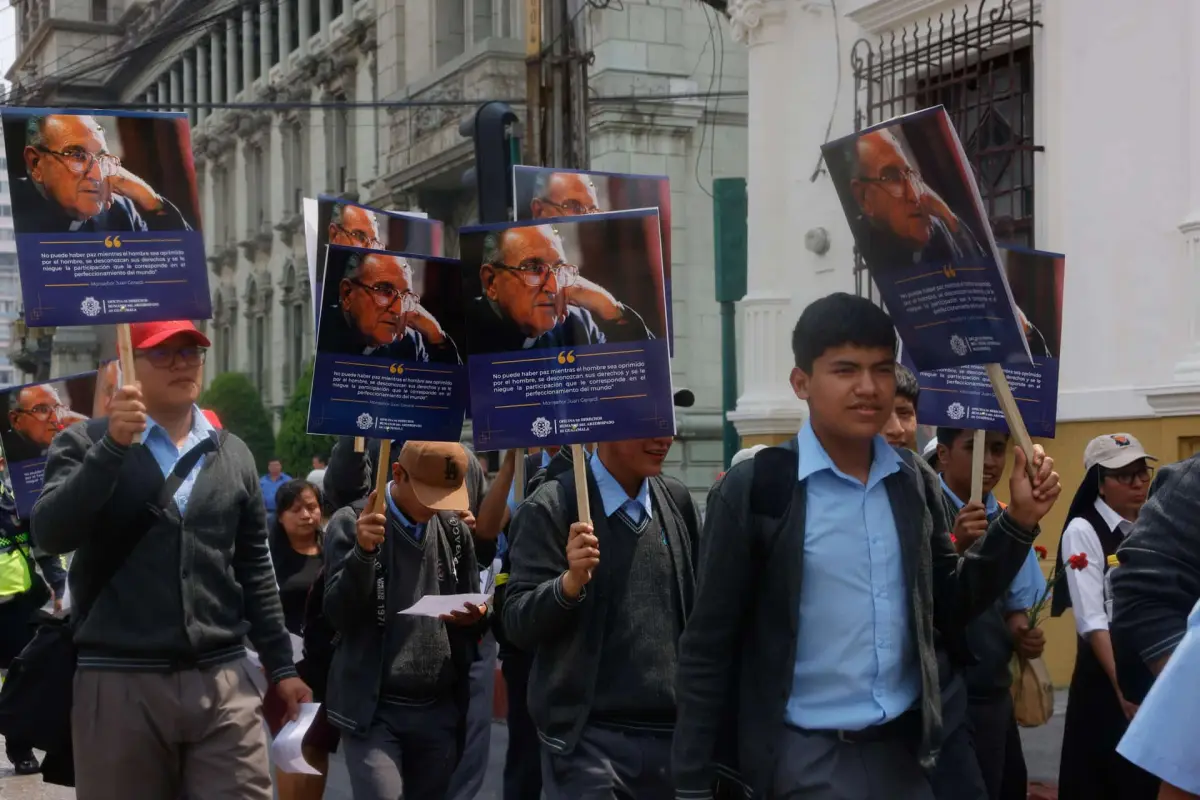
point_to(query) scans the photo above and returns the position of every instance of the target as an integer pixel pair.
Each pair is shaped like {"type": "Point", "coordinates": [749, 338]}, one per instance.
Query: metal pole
{"type": "Point", "coordinates": [729, 379]}
{"type": "Point", "coordinates": [533, 82]}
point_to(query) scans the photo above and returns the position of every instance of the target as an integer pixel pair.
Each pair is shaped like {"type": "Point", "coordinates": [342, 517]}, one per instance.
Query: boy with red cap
{"type": "Point", "coordinates": [171, 573]}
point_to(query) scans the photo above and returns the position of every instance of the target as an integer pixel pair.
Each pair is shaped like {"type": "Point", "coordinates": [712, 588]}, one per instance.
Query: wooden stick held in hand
{"type": "Point", "coordinates": [125, 351]}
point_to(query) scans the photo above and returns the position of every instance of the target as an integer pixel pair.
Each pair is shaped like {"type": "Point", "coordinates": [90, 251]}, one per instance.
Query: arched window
{"type": "Point", "coordinates": [258, 317]}
{"type": "Point", "coordinates": [297, 316]}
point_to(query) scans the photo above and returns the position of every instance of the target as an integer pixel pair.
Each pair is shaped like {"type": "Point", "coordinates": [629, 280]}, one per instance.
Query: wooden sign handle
{"type": "Point", "coordinates": [360, 444]}
{"type": "Point", "coordinates": [383, 473]}
{"type": "Point", "coordinates": [1012, 414]}
{"type": "Point", "coordinates": [519, 476]}
{"type": "Point", "coordinates": [978, 443]}
{"type": "Point", "coordinates": [579, 456]}
{"type": "Point", "coordinates": [125, 351]}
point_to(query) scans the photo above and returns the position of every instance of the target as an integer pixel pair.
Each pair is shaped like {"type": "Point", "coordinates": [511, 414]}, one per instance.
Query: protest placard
{"type": "Point", "coordinates": [388, 364]}
{"type": "Point", "coordinates": [914, 209]}
{"type": "Point", "coordinates": [963, 397]}
{"type": "Point", "coordinates": [546, 192]}
{"type": "Point", "coordinates": [566, 330]}
{"type": "Point", "coordinates": [332, 220]}
{"type": "Point", "coordinates": [30, 416]}
{"type": "Point", "coordinates": [106, 215]}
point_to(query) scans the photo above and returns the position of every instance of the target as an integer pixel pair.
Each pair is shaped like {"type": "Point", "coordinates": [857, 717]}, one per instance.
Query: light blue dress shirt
{"type": "Point", "coordinates": [158, 442]}
{"type": "Point", "coordinates": [856, 652]}
{"type": "Point", "coordinates": [1162, 737]}
{"type": "Point", "coordinates": [614, 498]}
{"type": "Point", "coordinates": [1029, 584]}
{"type": "Point", "coordinates": [417, 532]}
{"type": "Point", "coordinates": [512, 490]}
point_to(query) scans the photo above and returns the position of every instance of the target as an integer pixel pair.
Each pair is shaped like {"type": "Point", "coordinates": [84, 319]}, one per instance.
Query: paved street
{"type": "Point", "coordinates": [1041, 754]}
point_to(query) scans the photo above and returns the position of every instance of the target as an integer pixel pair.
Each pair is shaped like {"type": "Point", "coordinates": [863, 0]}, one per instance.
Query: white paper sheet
{"type": "Point", "coordinates": [286, 751]}
{"type": "Point", "coordinates": [297, 652]}
{"type": "Point", "coordinates": [435, 605]}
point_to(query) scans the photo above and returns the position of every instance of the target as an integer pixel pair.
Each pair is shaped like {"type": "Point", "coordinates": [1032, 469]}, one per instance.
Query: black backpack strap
{"type": "Point", "coordinates": [188, 462]}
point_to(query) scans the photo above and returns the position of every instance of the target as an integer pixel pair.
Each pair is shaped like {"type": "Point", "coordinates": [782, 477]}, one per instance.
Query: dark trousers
{"type": "Point", "coordinates": [957, 774]}
{"type": "Point", "coordinates": [998, 747]}
{"type": "Point", "coordinates": [816, 765]}
{"type": "Point", "coordinates": [522, 762]}
{"type": "Point", "coordinates": [16, 630]}
{"type": "Point", "coordinates": [409, 749]}
{"type": "Point", "coordinates": [472, 767]}
{"type": "Point", "coordinates": [608, 764]}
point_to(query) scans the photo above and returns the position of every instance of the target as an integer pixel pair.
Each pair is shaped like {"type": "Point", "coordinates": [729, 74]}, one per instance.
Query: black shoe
{"type": "Point", "coordinates": [27, 765]}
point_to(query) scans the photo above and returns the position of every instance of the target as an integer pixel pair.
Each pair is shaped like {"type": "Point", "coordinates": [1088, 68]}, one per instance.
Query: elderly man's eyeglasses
{"type": "Point", "coordinates": [573, 208]}
{"type": "Point", "coordinates": [44, 411]}
{"type": "Point", "coordinates": [1127, 477]}
{"type": "Point", "coordinates": [166, 357]}
{"type": "Point", "coordinates": [895, 180]}
{"type": "Point", "coordinates": [80, 161]}
{"type": "Point", "coordinates": [536, 273]}
{"type": "Point", "coordinates": [385, 295]}
{"type": "Point", "coordinates": [360, 238]}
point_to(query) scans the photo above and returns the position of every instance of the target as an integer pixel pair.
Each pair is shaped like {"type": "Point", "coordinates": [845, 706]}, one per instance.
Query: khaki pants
{"type": "Point", "coordinates": [193, 734]}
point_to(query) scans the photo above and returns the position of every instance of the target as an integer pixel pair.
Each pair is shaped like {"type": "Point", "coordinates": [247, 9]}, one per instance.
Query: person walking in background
{"type": "Point", "coordinates": [168, 627]}
{"type": "Point", "coordinates": [296, 541]}
{"type": "Point", "coordinates": [269, 484]}
{"type": "Point", "coordinates": [1102, 513]}
{"type": "Point", "coordinates": [399, 685]}
{"type": "Point", "coordinates": [316, 476]}
{"type": "Point", "coordinates": [901, 428]}
{"type": "Point", "coordinates": [997, 631]}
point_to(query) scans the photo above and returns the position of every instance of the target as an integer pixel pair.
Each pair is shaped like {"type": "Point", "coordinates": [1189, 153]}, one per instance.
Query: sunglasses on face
{"type": "Point", "coordinates": [168, 357]}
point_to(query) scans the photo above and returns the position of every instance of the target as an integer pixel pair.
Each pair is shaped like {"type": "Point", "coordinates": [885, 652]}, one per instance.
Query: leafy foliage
{"type": "Point", "coordinates": [294, 446]}
{"type": "Point", "coordinates": [239, 405]}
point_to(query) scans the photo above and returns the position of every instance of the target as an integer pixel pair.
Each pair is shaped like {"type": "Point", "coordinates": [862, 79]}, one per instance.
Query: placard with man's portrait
{"type": "Point", "coordinates": [566, 330]}
{"type": "Point", "coordinates": [107, 216]}
{"type": "Point", "coordinates": [30, 417]}
{"type": "Point", "coordinates": [388, 362]}
{"type": "Point", "coordinates": [340, 222]}
{"type": "Point", "coordinates": [918, 221]}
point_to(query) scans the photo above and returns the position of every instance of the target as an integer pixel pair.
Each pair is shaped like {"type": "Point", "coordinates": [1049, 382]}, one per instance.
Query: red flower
{"type": "Point", "coordinates": [1078, 561]}
{"type": "Point", "coordinates": [953, 539]}
{"type": "Point", "coordinates": [1041, 552]}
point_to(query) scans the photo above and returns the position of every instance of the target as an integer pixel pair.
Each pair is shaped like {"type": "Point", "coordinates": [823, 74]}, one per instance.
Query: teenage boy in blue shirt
{"type": "Point", "coordinates": [812, 629]}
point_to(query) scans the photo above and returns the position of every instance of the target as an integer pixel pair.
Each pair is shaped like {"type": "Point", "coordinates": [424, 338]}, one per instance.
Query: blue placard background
{"type": "Point", "coordinates": [948, 299]}
{"type": "Point", "coordinates": [109, 274]}
{"type": "Point", "coordinates": [386, 398]}
{"type": "Point", "coordinates": [962, 397]}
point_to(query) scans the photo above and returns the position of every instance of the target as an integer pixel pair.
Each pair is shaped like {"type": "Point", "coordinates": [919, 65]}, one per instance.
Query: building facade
{"type": "Point", "coordinates": [1031, 87]}
{"type": "Point", "coordinates": [10, 284]}
{"type": "Point", "coordinates": [363, 98]}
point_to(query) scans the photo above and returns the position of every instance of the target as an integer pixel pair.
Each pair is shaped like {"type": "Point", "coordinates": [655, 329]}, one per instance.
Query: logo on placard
{"type": "Point", "coordinates": [959, 345]}
{"type": "Point", "coordinates": [956, 411]}
{"type": "Point", "coordinates": [541, 427]}
{"type": "Point", "coordinates": [90, 307]}
{"type": "Point", "coordinates": [365, 421]}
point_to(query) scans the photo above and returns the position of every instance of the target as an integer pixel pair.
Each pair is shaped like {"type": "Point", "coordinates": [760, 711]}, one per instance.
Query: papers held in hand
{"type": "Point", "coordinates": [437, 605]}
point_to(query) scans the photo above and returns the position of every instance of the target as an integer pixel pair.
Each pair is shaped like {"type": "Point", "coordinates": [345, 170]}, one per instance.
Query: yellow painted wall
{"type": "Point", "coordinates": [1168, 438]}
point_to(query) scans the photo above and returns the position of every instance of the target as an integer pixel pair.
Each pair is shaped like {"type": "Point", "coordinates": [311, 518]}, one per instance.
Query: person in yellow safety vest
{"type": "Point", "coordinates": [22, 593]}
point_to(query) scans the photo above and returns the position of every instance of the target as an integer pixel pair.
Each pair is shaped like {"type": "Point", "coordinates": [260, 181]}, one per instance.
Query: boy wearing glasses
{"type": "Point", "coordinates": [75, 184]}
{"type": "Point", "coordinates": [168, 627]}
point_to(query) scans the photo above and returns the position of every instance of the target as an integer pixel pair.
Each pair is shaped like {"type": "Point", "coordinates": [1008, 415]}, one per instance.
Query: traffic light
{"type": "Point", "coordinates": [493, 129]}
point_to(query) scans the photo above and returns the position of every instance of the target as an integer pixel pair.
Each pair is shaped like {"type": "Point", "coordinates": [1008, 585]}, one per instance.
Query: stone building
{"type": "Point", "coordinates": [288, 64]}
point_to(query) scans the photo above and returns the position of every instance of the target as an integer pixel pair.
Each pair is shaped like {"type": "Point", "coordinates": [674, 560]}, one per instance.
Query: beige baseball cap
{"type": "Point", "coordinates": [438, 472]}
{"type": "Point", "coordinates": [1113, 451]}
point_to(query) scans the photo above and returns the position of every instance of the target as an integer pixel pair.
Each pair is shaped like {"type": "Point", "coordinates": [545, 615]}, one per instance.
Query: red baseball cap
{"type": "Point", "coordinates": [151, 334]}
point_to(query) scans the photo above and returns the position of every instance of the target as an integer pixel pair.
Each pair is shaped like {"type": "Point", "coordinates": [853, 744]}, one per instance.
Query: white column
{"type": "Point", "coordinates": [304, 20]}
{"type": "Point", "coordinates": [162, 97]}
{"type": "Point", "coordinates": [189, 77]}
{"type": "Point", "coordinates": [202, 85]}
{"type": "Point", "coordinates": [266, 36]}
{"type": "Point", "coordinates": [767, 405]}
{"type": "Point", "coordinates": [285, 29]}
{"type": "Point", "coordinates": [231, 45]}
{"type": "Point", "coordinates": [216, 53]}
{"type": "Point", "coordinates": [1188, 368]}
{"type": "Point", "coordinates": [247, 46]}
{"type": "Point", "coordinates": [176, 95]}
{"type": "Point", "coordinates": [326, 10]}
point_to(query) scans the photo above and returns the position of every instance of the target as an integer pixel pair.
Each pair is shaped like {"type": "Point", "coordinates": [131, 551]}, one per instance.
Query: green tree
{"type": "Point", "coordinates": [294, 445]}
{"type": "Point", "coordinates": [239, 405]}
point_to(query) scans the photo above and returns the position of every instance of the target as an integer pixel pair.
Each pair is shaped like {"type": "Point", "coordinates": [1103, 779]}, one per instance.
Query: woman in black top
{"type": "Point", "coordinates": [295, 541]}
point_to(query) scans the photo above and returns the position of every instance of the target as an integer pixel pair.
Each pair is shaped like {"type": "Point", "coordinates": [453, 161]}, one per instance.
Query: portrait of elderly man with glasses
{"type": "Point", "coordinates": [563, 194]}
{"type": "Point", "coordinates": [375, 311]}
{"type": "Point", "coordinates": [74, 183]}
{"type": "Point", "coordinates": [901, 220]}
{"type": "Point", "coordinates": [35, 415]}
{"type": "Point", "coordinates": [532, 297]}
{"type": "Point", "coordinates": [354, 226]}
